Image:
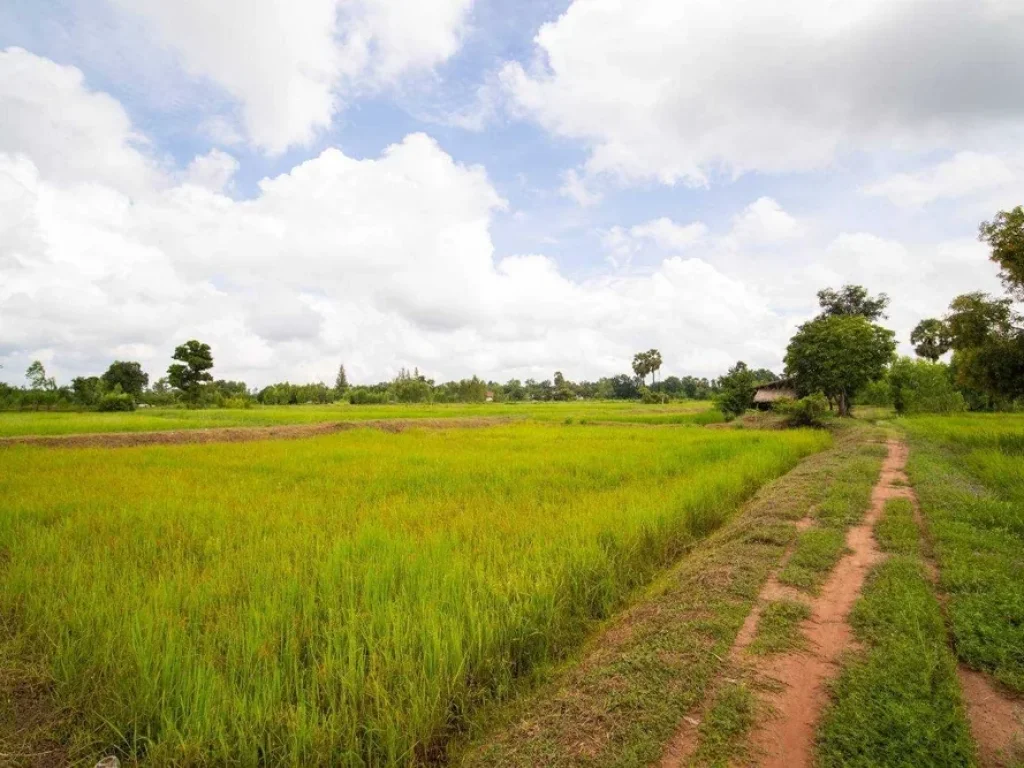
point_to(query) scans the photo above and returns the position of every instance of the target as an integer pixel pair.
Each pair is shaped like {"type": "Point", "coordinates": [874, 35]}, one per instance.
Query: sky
{"type": "Point", "coordinates": [488, 187]}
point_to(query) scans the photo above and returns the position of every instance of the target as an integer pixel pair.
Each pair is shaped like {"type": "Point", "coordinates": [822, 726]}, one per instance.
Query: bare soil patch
{"type": "Point", "coordinates": [243, 434]}
{"type": "Point", "coordinates": [997, 720]}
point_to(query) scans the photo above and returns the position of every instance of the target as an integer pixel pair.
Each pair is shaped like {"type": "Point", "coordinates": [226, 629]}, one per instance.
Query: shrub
{"type": "Point", "coordinates": [117, 401]}
{"type": "Point", "coordinates": [650, 397]}
{"type": "Point", "coordinates": [805, 412]}
{"type": "Point", "coordinates": [919, 386]}
{"type": "Point", "coordinates": [363, 396]}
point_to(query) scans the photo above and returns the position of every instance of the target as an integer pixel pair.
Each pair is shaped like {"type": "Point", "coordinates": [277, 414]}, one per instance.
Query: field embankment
{"type": "Point", "coordinates": [347, 599]}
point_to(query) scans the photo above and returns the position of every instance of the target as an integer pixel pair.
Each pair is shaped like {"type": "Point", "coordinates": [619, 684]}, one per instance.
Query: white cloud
{"type": "Point", "coordinates": [213, 171]}
{"type": "Point", "coordinates": [669, 235]}
{"type": "Point", "coordinates": [679, 91]}
{"type": "Point", "coordinates": [292, 65]}
{"type": "Point", "coordinates": [765, 221]}
{"type": "Point", "coordinates": [963, 175]}
{"type": "Point", "coordinates": [88, 139]}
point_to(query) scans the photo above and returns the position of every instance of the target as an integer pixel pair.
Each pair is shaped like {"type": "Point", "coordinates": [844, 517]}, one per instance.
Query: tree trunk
{"type": "Point", "coordinates": [844, 405]}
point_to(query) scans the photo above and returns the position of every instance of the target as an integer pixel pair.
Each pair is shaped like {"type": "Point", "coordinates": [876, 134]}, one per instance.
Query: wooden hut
{"type": "Point", "coordinates": [766, 394]}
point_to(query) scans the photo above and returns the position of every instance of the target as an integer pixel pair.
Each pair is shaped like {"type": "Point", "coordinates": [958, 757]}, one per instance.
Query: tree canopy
{"type": "Point", "coordinates": [931, 339]}
{"type": "Point", "coordinates": [192, 371]}
{"type": "Point", "coordinates": [852, 300]}
{"type": "Point", "coordinates": [129, 376]}
{"type": "Point", "coordinates": [1005, 236]}
{"type": "Point", "coordinates": [838, 355]}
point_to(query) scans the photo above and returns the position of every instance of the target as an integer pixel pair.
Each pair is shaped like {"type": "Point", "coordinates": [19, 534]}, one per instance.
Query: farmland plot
{"type": "Point", "coordinates": [349, 599]}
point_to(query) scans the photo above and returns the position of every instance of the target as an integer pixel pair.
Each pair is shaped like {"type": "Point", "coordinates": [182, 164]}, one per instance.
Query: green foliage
{"type": "Point", "coordinates": [285, 393]}
{"type": "Point", "coordinates": [189, 375]}
{"type": "Point", "coordinates": [88, 390]}
{"type": "Point", "coordinates": [648, 362]}
{"type": "Point", "coordinates": [988, 345]}
{"type": "Point", "coordinates": [650, 397]}
{"type": "Point", "coordinates": [1005, 235]}
{"type": "Point", "coordinates": [347, 599]}
{"type": "Point", "coordinates": [919, 386]}
{"type": "Point", "coordinates": [806, 412]}
{"type": "Point", "coordinates": [36, 375]}
{"type": "Point", "coordinates": [366, 396]}
{"type": "Point", "coordinates": [341, 381]}
{"type": "Point", "coordinates": [838, 356]}
{"type": "Point", "coordinates": [116, 401]}
{"type": "Point", "coordinates": [876, 393]}
{"type": "Point", "coordinates": [736, 391]}
{"type": "Point", "coordinates": [931, 339]}
{"type": "Point", "coordinates": [127, 375]}
{"type": "Point", "coordinates": [778, 629]}
{"type": "Point", "coordinates": [852, 301]}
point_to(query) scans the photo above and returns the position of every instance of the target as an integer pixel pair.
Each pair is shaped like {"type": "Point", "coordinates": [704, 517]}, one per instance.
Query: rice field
{"type": "Point", "coordinates": [15, 423]}
{"type": "Point", "coordinates": [351, 599]}
{"type": "Point", "coordinates": [969, 472]}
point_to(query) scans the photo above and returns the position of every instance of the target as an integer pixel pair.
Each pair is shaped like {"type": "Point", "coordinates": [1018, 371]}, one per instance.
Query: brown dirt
{"type": "Point", "coordinates": [680, 750]}
{"type": "Point", "coordinates": [242, 434]}
{"type": "Point", "coordinates": [786, 738]}
{"type": "Point", "coordinates": [997, 721]}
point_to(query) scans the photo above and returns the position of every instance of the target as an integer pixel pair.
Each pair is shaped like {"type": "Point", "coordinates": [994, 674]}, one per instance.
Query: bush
{"type": "Point", "coordinates": [651, 397]}
{"type": "Point", "coordinates": [919, 386]}
{"type": "Point", "coordinates": [117, 401]}
{"type": "Point", "coordinates": [236, 402]}
{"type": "Point", "coordinates": [363, 396]}
{"type": "Point", "coordinates": [805, 412]}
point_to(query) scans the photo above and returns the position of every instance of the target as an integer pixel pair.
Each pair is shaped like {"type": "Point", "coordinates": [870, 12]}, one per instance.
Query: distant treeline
{"type": "Point", "coordinates": [125, 386]}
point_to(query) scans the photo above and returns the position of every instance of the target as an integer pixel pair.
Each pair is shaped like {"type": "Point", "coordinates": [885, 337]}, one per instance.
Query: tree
{"type": "Point", "coordinates": [852, 300]}
{"type": "Point", "coordinates": [1005, 235]}
{"type": "Point", "coordinates": [974, 317]}
{"type": "Point", "coordinates": [130, 376]}
{"type": "Point", "coordinates": [654, 362]}
{"type": "Point", "coordinates": [920, 386]}
{"type": "Point", "coordinates": [988, 349]}
{"type": "Point", "coordinates": [36, 375]}
{"type": "Point", "coordinates": [88, 389]}
{"type": "Point", "coordinates": [931, 339]}
{"type": "Point", "coordinates": [736, 391]}
{"type": "Point", "coordinates": [341, 380]}
{"type": "Point", "coordinates": [764, 376]}
{"type": "Point", "coordinates": [838, 355]}
{"type": "Point", "coordinates": [641, 365]}
{"type": "Point", "coordinates": [192, 371]}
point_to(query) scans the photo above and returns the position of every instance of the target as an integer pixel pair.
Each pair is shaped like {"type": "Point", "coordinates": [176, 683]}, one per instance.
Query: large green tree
{"type": "Point", "coordinates": [852, 300]}
{"type": "Point", "coordinates": [130, 376]}
{"type": "Point", "coordinates": [1005, 236]}
{"type": "Point", "coordinates": [192, 371]}
{"type": "Point", "coordinates": [931, 339]}
{"type": "Point", "coordinates": [988, 348]}
{"type": "Point", "coordinates": [838, 355]}
{"type": "Point", "coordinates": [648, 362]}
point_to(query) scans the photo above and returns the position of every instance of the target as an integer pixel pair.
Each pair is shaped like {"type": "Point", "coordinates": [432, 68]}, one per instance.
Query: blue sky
{"type": "Point", "coordinates": [470, 186]}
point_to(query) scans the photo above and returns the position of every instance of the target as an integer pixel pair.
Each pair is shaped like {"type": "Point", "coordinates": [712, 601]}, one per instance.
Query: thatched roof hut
{"type": "Point", "coordinates": [766, 394]}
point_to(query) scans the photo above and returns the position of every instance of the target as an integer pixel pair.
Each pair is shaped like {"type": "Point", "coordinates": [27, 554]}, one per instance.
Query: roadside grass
{"type": "Point", "coordinates": [728, 720]}
{"type": "Point", "coordinates": [898, 701]}
{"type": "Point", "coordinates": [816, 554]}
{"type": "Point", "coordinates": [360, 599]}
{"type": "Point", "coordinates": [818, 549]}
{"type": "Point", "coordinates": [778, 629]}
{"type": "Point", "coordinates": [16, 423]}
{"type": "Point", "coordinates": [969, 475]}
{"type": "Point", "coordinates": [622, 699]}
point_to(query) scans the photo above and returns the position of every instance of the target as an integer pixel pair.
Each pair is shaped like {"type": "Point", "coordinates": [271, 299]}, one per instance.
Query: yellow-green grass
{"type": "Point", "coordinates": [969, 473]}
{"type": "Point", "coordinates": [15, 423]}
{"type": "Point", "coordinates": [897, 700]}
{"type": "Point", "coordinates": [349, 599]}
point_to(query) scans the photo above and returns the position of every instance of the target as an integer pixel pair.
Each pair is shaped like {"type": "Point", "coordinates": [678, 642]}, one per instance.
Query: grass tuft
{"type": "Point", "coordinates": [778, 629]}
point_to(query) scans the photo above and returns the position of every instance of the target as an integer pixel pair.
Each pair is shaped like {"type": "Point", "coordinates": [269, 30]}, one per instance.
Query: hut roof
{"type": "Point", "coordinates": [775, 390]}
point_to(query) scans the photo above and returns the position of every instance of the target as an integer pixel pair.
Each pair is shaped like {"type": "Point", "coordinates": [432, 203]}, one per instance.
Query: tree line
{"type": "Point", "coordinates": [842, 356]}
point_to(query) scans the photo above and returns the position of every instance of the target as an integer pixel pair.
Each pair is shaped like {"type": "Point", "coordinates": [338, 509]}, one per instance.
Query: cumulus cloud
{"type": "Point", "coordinates": [291, 65]}
{"type": "Point", "coordinates": [89, 138]}
{"type": "Point", "coordinates": [681, 91]}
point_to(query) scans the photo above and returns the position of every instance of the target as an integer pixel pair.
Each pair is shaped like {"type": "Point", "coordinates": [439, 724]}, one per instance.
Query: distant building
{"type": "Point", "coordinates": [766, 394]}
{"type": "Point", "coordinates": [489, 397]}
